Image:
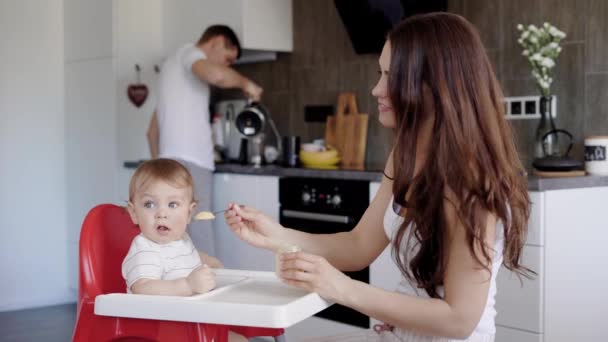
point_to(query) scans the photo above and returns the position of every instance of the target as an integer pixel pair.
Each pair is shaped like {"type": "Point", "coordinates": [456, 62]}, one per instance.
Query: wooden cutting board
{"type": "Point", "coordinates": [347, 131]}
{"type": "Point", "coordinates": [559, 174]}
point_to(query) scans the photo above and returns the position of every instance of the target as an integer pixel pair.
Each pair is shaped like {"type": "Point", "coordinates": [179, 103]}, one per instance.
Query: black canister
{"type": "Point", "coordinates": [291, 151]}
{"type": "Point", "coordinates": [244, 152]}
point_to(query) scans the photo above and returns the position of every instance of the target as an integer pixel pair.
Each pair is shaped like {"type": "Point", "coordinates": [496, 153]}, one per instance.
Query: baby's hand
{"type": "Point", "coordinates": [201, 280]}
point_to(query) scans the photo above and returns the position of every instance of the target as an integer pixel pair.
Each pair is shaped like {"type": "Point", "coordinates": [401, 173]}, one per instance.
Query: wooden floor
{"type": "Point", "coordinates": [50, 324]}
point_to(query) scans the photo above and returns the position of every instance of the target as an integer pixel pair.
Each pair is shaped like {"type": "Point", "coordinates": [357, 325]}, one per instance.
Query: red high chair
{"type": "Point", "coordinates": [105, 239]}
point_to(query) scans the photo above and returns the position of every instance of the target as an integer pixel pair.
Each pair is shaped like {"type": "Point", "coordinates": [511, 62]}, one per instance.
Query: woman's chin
{"type": "Point", "coordinates": [387, 119]}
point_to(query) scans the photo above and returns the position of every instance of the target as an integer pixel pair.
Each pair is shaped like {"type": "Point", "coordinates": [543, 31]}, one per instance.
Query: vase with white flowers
{"type": "Point", "coordinates": [541, 48]}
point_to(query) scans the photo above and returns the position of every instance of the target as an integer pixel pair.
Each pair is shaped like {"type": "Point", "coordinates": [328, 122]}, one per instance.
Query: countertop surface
{"type": "Point", "coordinates": [373, 173]}
{"type": "Point", "coordinates": [368, 173]}
{"type": "Point", "coordinates": [536, 183]}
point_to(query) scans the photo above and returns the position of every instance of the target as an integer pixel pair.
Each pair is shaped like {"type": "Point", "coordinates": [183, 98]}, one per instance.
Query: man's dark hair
{"type": "Point", "coordinates": [230, 38]}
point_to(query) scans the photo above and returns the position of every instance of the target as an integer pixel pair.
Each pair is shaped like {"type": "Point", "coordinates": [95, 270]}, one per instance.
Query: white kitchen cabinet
{"type": "Point", "coordinates": [138, 40]}
{"type": "Point", "coordinates": [261, 192]}
{"type": "Point", "coordinates": [261, 25]}
{"type": "Point", "coordinates": [91, 151]}
{"type": "Point", "coordinates": [103, 42]}
{"type": "Point", "coordinates": [536, 221]}
{"type": "Point", "coordinates": [566, 246]}
{"type": "Point", "coordinates": [575, 265]}
{"type": "Point", "coordinates": [514, 335]}
{"type": "Point", "coordinates": [88, 29]}
{"type": "Point", "coordinates": [90, 138]}
{"type": "Point", "coordinates": [519, 301]}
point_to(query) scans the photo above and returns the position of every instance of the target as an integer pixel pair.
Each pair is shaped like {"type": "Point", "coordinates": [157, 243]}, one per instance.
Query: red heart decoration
{"type": "Point", "coordinates": [138, 93]}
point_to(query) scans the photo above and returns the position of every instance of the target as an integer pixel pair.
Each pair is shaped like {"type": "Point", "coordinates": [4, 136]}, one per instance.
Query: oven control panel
{"type": "Point", "coordinates": [310, 195]}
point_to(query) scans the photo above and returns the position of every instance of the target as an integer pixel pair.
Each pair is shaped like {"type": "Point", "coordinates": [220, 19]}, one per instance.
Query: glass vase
{"type": "Point", "coordinates": [546, 145]}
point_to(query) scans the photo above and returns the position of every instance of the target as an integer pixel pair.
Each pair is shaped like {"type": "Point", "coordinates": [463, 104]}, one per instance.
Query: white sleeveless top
{"type": "Point", "coordinates": [486, 328]}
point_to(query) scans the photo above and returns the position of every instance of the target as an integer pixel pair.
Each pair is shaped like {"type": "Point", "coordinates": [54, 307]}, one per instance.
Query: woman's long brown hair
{"type": "Point", "coordinates": [472, 153]}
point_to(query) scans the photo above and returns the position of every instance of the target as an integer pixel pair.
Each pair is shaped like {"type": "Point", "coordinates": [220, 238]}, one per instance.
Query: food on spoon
{"type": "Point", "coordinates": [204, 215]}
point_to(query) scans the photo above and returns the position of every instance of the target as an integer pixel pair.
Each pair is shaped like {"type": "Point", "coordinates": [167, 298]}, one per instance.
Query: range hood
{"type": "Point", "coordinates": [368, 21]}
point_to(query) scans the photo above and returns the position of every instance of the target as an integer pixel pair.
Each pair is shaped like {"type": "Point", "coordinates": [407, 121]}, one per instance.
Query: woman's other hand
{"type": "Point", "coordinates": [313, 273]}
{"type": "Point", "coordinates": [201, 280]}
{"type": "Point", "coordinates": [254, 227]}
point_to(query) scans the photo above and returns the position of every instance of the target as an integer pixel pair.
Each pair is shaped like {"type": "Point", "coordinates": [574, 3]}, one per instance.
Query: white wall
{"type": "Point", "coordinates": [33, 254]}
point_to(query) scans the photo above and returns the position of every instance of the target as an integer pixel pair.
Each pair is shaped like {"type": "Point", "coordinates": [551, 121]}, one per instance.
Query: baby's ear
{"type": "Point", "coordinates": [191, 211]}
{"type": "Point", "coordinates": [131, 210]}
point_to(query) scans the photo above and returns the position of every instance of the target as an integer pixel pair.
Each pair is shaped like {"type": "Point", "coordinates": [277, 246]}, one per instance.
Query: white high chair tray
{"type": "Point", "coordinates": [247, 298]}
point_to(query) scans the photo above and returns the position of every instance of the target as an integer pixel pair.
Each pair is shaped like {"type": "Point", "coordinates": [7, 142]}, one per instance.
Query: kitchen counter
{"type": "Point", "coordinates": [368, 173]}
{"type": "Point", "coordinates": [373, 173]}
{"type": "Point", "coordinates": [536, 183]}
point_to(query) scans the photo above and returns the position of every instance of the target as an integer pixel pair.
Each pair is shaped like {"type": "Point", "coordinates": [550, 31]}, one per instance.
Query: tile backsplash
{"type": "Point", "coordinates": [324, 63]}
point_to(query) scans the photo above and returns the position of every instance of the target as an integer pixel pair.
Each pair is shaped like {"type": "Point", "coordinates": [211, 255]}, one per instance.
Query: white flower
{"type": "Point", "coordinates": [547, 62]}
{"type": "Point", "coordinates": [541, 48]}
{"type": "Point", "coordinates": [543, 84]}
{"type": "Point", "coordinates": [556, 33]}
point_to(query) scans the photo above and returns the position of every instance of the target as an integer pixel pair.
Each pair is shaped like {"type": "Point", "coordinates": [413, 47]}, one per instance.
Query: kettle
{"type": "Point", "coordinates": [557, 161]}
{"type": "Point", "coordinates": [251, 121]}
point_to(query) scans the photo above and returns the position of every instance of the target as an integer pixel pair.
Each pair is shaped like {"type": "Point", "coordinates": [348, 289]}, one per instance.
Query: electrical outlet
{"type": "Point", "coordinates": [317, 113]}
{"type": "Point", "coordinates": [526, 107]}
{"type": "Point", "coordinates": [530, 107]}
{"type": "Point", "coordinates": [516, 108]}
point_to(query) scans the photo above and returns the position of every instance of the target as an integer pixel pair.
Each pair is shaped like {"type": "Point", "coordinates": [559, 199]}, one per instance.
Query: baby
{"type": "Point", "coordinates": [162, 260]}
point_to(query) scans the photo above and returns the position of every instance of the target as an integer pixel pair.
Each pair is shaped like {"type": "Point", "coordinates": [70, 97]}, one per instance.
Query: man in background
{"type": "Point", "coordinates": [180, 127]}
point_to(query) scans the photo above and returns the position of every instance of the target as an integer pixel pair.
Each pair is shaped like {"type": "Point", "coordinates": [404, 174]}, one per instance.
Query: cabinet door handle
{"type": "Point", "coordinates": [317, 216]}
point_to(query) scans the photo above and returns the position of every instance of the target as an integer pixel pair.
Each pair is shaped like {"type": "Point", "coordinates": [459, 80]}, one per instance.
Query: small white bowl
{"type": "Point", "coordinates": [312, 147]}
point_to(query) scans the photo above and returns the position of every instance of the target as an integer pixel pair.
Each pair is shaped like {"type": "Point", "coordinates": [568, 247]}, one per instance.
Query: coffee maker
{"type": "Point", "coordinates": [251, 122]}
{"type": "Point", "coordinates": [227, 139]}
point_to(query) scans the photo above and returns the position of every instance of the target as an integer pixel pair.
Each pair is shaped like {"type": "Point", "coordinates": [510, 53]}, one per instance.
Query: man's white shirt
{"type": "Point", "coordinates": [183, 110]}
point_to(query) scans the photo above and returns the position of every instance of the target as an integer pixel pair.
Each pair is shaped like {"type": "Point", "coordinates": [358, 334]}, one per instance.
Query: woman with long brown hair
{"type": "Point", "coordinates": [453, 202]}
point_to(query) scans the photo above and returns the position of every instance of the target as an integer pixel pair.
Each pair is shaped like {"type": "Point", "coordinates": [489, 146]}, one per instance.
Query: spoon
{"type": "Point", "coordinates": [208, 215]}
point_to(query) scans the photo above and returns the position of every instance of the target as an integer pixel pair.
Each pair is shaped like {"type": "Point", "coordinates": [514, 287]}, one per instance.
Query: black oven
{"type": "Point", "coordinates": [323, 206]}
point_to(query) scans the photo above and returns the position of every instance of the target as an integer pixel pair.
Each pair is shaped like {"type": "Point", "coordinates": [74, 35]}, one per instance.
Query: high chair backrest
{"type": "Point", "coordinates": [106, 235]}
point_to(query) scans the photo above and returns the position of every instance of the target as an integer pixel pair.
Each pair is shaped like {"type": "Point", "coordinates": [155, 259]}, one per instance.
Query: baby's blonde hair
{"type": "Point", "coordinates": [161, 169]}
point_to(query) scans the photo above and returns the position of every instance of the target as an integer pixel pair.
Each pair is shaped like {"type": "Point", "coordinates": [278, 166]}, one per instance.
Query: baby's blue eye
{"type": "Point", "coordinates": [173, 205]}
{"type": "Point", "coordinates": [149, 204]}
